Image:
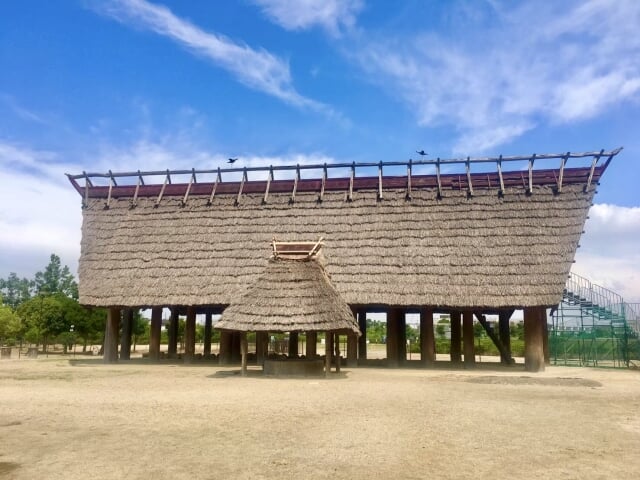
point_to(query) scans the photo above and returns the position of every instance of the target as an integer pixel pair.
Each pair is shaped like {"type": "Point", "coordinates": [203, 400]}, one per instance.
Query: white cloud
{"type": "Point", "coordinates": [533, 62]}
{"type": "Point", "coordinates": [39, 212]}
{"type": "Point", "coordinates": [331, 15]}
{"type": "Point", "coordinates": [609, 255]}
{"type": "Point", "coordinates": [257, 69]}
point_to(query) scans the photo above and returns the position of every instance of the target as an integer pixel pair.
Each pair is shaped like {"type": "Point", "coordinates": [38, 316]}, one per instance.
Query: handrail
{"type": "Point", "coordinates": [563, 157]}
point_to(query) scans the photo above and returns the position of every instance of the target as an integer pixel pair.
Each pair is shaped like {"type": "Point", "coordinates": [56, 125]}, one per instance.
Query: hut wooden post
{"type": "Point", "coordinates": [505, 334]}
{"type": "Point", "coordinates": [190, 335]}
{"type": "Point", "coordinates": [154, 334]}
{"type": "Point", "coordinates": [111, 336]}
{"type": "Point", "coordinates": [235, 347]}
{"type": "Point", "coordinates": [468, 339]}
{"type": "Point", "coordinates": [402, 337]}
{"type": "Point", "coordinates": [362, 340]}
{"type": "Point", "coordinates": [293, 344]}
{"type": "Point", "coordinates": [224, 356]}
{"type": "Point", "coordinates": [533, 340]}
{"type": "Point", "coordinates": [312, 342]}
{"type": "Point", "coordinates": [455, 354]}
{"type": "Point", "coordinates": [336, 349]}
{"type": "Point", "coordinates": [243, 353]}
{"type": "Point", "coordinates": [172, 348]}
{"type": "Point", "coordinates": [206, 349]}
{"type": "Point", "coordinates": [545, 336]}
{"type": "Point", "coordinates": [127, 330]}
{"type": "Point", "coordinates": [262, 347]}
{"type": "Point", "coordinates": [427, 339]}
{"type": "Point", "coordinates": [393, 321]}
{"type": "Point", "coordinates": [328, 349]}
{"type": "Point", "coordinates": [352, 350]}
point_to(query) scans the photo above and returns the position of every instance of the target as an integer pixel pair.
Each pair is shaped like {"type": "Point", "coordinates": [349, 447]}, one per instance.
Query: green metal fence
{"type": "Point", "coordinates": [594, 326]}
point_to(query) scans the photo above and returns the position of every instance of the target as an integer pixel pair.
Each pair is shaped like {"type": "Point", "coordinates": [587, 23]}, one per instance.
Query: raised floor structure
{"type": "Point", "coordinates": [497, 234]}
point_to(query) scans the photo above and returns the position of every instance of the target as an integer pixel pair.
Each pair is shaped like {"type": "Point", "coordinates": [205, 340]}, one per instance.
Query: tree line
{"type": "Point", "coordinates": [44, 310]}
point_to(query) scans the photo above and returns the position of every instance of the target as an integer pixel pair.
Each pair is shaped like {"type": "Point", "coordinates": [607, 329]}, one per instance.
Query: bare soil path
{"type": "Point", "coordinates": [61, 419]}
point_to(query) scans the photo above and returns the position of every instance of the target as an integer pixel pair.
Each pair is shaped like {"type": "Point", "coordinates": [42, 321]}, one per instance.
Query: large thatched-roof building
{"type": "Point", "coordinates": [462, 243]}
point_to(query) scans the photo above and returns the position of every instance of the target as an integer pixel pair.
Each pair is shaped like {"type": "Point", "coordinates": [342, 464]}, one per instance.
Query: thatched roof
{"type": "Point", "coordinates": [290, 295]}
{"type": "Point", "coordinates": [484, 251]}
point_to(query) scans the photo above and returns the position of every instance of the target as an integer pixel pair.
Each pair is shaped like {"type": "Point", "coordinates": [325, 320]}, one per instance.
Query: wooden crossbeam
{"type": "Point", "coordinates": [215, 187]}
{"type": "Point", "coordinates": [244, 179]}
{"type": "Point", "coordinates": [266, 190]}
{"type": "Point", "coordinates": [324, 183]}
{"type": "Point", "coordinates": [408, 195]}
{"type": "Point", "coordinates": [353, 174]}
{"type": "Point", "coordinates": [192, 180]}
{"type": "Point", "coordinates": [438, 178]}
{"type": "Point", "coordinates": [380, 181]}
{"type": "Point", "coordinates": [295, 185]}
{"type": "Point", "coordinates": [167, 180]}
{"type": "Point", "coordinates": [531, 160]}
{"type": "Point", "coordinates": [593, 167]}
{"type": "Point", "coordinates": [469, 183]}
{"type": "Point", "coordinates": [563, 162]}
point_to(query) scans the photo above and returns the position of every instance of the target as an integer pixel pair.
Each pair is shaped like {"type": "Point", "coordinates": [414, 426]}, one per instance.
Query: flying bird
{"type": "Point", "coordinates": [232, 160]}
{"type": "Point", "coordinates": [422, 152]}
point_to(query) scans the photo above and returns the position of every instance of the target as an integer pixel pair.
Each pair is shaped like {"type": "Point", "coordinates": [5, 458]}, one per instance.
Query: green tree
{"type": "Point", "coordinates": [10, 325]}
{"type": "Point", "coordinates": [43, 317]}
{"type": "Point", "coordinates": [56, 279]}
{"type": "Point", "coordinates": [15, 290]}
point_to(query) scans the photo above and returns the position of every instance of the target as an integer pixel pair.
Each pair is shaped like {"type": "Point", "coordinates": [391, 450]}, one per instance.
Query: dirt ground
{"type": "Point", "coordinates": [79, 419]}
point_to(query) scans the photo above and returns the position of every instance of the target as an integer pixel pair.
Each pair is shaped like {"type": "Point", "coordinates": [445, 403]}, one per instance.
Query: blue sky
{"type": "Point", "coordinates": [130, 84]}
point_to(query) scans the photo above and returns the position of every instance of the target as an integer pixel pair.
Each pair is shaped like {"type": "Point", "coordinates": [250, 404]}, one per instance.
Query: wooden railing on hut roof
{"type": "Point", "coordinates": [210, 182]}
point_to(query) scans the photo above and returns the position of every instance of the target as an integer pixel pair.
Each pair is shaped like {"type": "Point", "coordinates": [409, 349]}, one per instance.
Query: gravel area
{"type": "Point", "coordinates": [79, 419]}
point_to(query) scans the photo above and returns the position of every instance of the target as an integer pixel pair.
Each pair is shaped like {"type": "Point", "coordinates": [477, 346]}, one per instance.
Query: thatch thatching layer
{"type": "Point", "coordinates": [290, 295]}
{"type": "Point", "coordinates": [458, 251]}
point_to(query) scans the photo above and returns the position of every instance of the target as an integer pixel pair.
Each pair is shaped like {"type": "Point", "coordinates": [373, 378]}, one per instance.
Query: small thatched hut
{"type": "Point", "coordinates": [478, 241]}
{"type": "Point", "coordinates": [293, 294]}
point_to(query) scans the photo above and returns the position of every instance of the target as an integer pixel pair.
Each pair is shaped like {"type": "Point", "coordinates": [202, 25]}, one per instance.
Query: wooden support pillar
{"type": "Point", "coordinates": [243, 353]}
{"type": "Point", "coordinates": [235, 347]}
{"type": "Point", "coordinates": [224, 358]}
{"type": "Point", "coordinates": [190, 335]}
{"type": "Point", "coordinates": [111, 336]}
{"type": "Point", "coordinates": [545, 336]}
{"type": "Point", "coordinates": [206, 349]}
{"type": "Point", "coordinates": [427, 339]}
{"type": "Point", "coordinates": [402, 337]}
{"type": "Point", "coordinates": [125, 338]}
{"type": "Point", "coordinates": [533, 340]}
{"type": "Point", "coordinates": [362, 340]}
{"type": "Point", "coordinates": [456, 356]}
{"type": "Point", "coordinates": [312, 342]}
{"type": "Point", "coordinates": [293, 344]}
{"type": "Point", "coordinates": [505, 335]}
{"type": "Point", "coordinates": [505, 355]}
{"type": "Point", "coordinates": [393, 336]}
{"type": "Point", "coordinates": [468, 339]}
{"type": "Point", "coordinates": [328, 349]}
{"type": "Point", "coordinates": [172, 348]}
{"type": "Point", "coordinates": [155, 333]}
{"type": "Point", "coordinates": [352, 350]}
{"type": "Point", "coordinates": [262, 347]}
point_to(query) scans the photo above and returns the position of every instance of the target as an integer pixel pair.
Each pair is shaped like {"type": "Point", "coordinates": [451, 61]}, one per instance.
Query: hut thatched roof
{"type": "Point", "coordinates": [290, 295]}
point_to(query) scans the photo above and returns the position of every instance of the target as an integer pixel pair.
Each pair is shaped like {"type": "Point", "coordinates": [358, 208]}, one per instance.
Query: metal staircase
{"type": "Point", "coordinates": [593, 326]}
